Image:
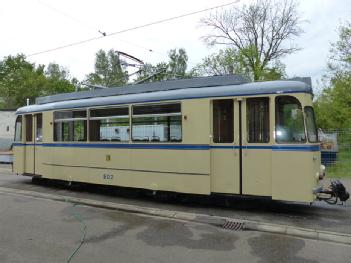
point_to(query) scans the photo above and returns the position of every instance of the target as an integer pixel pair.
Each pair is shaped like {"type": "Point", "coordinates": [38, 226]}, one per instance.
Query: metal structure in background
{"type": "Point", "coordinates": [336, 156]}
{"type": "Point", "coordinates": [336, 148]}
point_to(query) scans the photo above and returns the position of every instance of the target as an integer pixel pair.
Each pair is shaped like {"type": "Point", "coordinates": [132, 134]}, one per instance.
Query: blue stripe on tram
{"type": "Point", "coordinates": [295, 148]}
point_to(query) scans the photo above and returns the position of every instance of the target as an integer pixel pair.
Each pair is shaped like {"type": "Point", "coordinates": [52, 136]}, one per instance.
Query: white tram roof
{"type": "Point", "coordinates": [208, 87]}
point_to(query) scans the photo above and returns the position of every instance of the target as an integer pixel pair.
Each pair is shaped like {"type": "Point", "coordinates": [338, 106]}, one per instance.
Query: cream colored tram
{"type": "Point", "coordinates": [201, 136]}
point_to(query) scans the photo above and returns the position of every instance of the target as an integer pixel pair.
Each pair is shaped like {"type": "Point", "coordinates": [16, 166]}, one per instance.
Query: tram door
{"type": "Point", "coordinates": [29, 149]}
{"type": "Point", "coordinates": [256, 151]}
{"type": "Point", "coordinates": [38, 138]}
{"type": "Point", "coordinates": [225, 152]}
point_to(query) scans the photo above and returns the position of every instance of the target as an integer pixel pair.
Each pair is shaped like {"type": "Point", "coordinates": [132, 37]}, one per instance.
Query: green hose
{"type": "Point", "coordinates": [83, 229]}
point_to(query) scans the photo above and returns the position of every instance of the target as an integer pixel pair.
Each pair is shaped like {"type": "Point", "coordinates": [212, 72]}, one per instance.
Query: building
{"type": "Point", "coordinates": [7, 128]}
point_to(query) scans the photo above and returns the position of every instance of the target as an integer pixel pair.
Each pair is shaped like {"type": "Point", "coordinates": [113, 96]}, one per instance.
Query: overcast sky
{"type": "Point", "coordinates": [30, 26]}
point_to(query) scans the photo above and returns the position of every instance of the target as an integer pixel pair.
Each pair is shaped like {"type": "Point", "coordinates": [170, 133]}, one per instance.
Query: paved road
{"type": "Point", "coordinates": [40, 230]}
{"type": "Point", "coordinates": [319, 216]}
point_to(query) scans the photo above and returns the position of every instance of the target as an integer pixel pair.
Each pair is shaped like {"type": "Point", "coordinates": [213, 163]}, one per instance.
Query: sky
{"type": "Point", "coordinates": [31, 26]}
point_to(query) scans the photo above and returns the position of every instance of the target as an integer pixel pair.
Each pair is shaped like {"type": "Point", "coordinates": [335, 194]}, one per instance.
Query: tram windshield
{"type": "Point", "coordinates": [289, 120]}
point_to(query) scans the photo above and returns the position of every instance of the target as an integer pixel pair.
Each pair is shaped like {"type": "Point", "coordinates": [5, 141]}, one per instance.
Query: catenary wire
{"type": "Point", "coordinates": [83, 23]}
{"type": "Point", "coordinates": [89, 26]}
{"type": "Point", "coordinates": [131, 29]}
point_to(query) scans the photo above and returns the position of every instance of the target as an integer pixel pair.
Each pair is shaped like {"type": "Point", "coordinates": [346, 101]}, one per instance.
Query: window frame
{"type": "Point", "coordinates": [21, 129]}
{"type": "Point", "coordinates": [28, 117]}
{"type": "Point", "coordinates": [306, 128]}
{"type": "Point", "coordinates": [68, 120]}
{"type": "Point", "coordinates": [232, 121]}
{"type": "Point", "coordinates": [36, 127]}
{"type": "Point", "coordinates": [268, 131]}
{"type": "Point", "coordinates": [133, 116]}
{"type": "Point", "coordinates": [125, 106]}
{"type": "Point", "coordinates": [276, 115]}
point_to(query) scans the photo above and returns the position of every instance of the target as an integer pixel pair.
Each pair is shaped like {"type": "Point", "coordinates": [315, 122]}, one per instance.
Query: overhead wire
{"type": "Point", "coordinates": [59, 11]}
{"type": "Point", "coordinates": [89, 26]}
{"type": "Point", "coordinates": [131, 29]}
{"type": "Point", "coordinates": [81, 22]}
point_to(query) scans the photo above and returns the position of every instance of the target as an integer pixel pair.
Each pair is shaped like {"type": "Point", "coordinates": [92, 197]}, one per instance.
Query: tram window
{"type": "Point", "coordinates": [39, 132]}
{"type": "Point", "coordinates": [157, 123]}
{"type": "Point", "coordinates": [70, 126]}
{"type": "Point", "coordinates": [61, 115]}
{"type": "Point", "coordinates": [257, 119]}
{"type": "Point", "coordinates": [289, 120]}
{"type": "Point", "coordinates": [311, 125]}
{"type": "Point", "coordinates": [18, 129]}
{"type": "Point", "coordinates": [223, 122]}
{"type": "Point", "coordinates": [29, 128]}
{"type": "Point", "coordinates": [111, 124]}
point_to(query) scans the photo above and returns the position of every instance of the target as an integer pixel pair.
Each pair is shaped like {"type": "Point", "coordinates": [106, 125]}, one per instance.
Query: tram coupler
{"type": "Point", "coordinates": [333, 193]}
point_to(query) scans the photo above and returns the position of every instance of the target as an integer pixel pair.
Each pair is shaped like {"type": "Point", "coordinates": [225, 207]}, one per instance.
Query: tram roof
{"type": "Point", "coordinates": [208, 87]}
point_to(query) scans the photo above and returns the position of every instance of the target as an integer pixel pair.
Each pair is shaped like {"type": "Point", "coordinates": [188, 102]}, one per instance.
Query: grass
{"type": "Point", "coordinates": [342, 167]}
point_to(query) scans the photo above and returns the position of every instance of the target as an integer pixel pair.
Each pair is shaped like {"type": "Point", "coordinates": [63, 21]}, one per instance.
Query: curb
{"type": "Point", "coordinates": [192, 217]}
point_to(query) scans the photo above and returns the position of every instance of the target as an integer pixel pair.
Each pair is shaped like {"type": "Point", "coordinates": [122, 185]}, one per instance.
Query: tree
{"type": "Point", "coordinates": [333, 105]}
{"type": "Point", "coordinates": [109, 71]}
{"type": "Point", "coordinates": [275, 71]}
{"type": "Point", "coordinates": [340, 52]}
{"type": "Point", "coordinates": [151, 73]}
{"type": "Point", "coordinates": [57, 80]}
{"type": "Point", "coordinates": [259, 31]}
{"type": "Point", "coordinates": [177, 64]}
{"type": "Point", "coordinates": [21, 80]}
{"type": "Point", "coordinates": [225, 62]}
{"type": "Point", "coordinates": [230, 61]}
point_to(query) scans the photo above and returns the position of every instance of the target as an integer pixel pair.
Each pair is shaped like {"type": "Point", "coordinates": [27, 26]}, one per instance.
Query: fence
{"type": "Point", "coordinates": [336, 152]}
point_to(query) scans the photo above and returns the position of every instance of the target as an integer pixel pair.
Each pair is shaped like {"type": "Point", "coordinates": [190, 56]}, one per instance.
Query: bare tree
{"type": "Point", "coordinates": [259, 31]}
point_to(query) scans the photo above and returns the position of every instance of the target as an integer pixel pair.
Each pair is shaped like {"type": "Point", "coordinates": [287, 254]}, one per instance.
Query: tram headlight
{"type": "Point", "coordinates": [322, 172]}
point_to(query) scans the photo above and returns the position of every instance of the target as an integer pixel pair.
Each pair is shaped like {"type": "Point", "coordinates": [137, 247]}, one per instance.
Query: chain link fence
{"type": "Point", "coordinates": [336, 152]}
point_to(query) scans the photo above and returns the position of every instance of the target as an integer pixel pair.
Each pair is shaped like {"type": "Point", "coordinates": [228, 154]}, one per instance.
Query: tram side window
{"type": "Point", "coordinates": [29, 128]}
{"type": "Point", "coordinates": [223, 122]}
{"type": "Point", "coordinates": [39, 132]}
{"type": "Point", "coordinates": [70, 126]}
{"type": "Point", "coordinates": [311, 126]}
{"type": "Point", "coordinates": [110, 124]}
{"type": "Point", "coordinates": [157, 123]}
{"type": "Point", "coordinates": [257, 119]}
{"type": "Point", "coordinates": [18, 129]}
{"type": "Point", "coordinates": [289, 124]}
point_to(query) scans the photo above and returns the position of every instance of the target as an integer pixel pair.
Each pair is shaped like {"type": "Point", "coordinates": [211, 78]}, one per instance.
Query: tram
{"type": "Point", "coordinates": [205, 136]}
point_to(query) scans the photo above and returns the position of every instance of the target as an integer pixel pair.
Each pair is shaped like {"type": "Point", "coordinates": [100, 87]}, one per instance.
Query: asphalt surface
{"type": "Point", "coordinates": [319, 215]}
{"type": "Point", "coordinates": [40, 230]}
